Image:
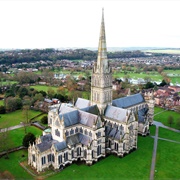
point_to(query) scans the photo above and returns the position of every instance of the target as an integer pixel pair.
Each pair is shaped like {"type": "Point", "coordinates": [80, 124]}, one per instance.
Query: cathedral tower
{"type": "Point", "coordinates": [101, 81]}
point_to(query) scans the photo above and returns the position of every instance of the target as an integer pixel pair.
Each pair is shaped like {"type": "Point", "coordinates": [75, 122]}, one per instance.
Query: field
{"type": "Point", "coordinates": [166, 51]}
{"type": "Point", "coordinates": [1, 102]}
{"type": "Point", "coordinates": [154, 75]}
{"type": "Point", "coordinates": [15, 137]}
{"type": "Point", "coordinates": [112, 167]}
{"type": "Point", "coordinates": [167, 160]}
{"type": "Point", "coordinates": [15, 118]}
{"type": "Point", "coordinates": [12, 165]}
{"type": "Point", "coordinates": [165, 133]}
{"type": "Point", "coordinates": [163, 117]}
{"type": "Point", "coordinates": [44, 88]}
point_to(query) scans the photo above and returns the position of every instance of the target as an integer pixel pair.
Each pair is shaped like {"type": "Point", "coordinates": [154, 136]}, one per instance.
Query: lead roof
{"type": "Point", "coordinates": [128, 101]}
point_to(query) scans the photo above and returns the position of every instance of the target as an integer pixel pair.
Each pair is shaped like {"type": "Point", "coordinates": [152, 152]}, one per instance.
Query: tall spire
{"type": "Point", "coordinates": [102, 62]}
{"type": "Point", "coordinates": [101, 79]}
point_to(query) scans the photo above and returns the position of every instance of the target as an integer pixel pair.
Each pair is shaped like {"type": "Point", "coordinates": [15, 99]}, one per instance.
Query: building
{"type": "Point", "coordinates": [90, 129]}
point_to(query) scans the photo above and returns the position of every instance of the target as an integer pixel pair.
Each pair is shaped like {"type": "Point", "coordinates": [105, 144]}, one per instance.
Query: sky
{"type": "Point", "coordinates": [62, 24]}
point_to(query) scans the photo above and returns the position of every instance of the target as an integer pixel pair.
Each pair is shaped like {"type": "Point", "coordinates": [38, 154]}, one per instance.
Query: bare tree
{"type": "Point", "coordinates": [170, 120]}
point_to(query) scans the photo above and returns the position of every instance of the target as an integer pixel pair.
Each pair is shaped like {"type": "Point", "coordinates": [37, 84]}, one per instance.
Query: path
{"type": "Point", "coordinates": [13, 127]}
{"type": "Point", "coordinates": [153, 163]}
{"type": "Point", "coordinates": [159, 124]}
{"type": "Point", "coordinates": [159, 112]}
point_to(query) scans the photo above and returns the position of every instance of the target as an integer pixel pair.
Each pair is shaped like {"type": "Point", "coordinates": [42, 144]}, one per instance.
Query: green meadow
{"type": "Point", "coordinates": [163, 117]}
{"type": "Point", "coordinates": [15, 137]}
{"type": "Point", "coordinates": [15, 118]}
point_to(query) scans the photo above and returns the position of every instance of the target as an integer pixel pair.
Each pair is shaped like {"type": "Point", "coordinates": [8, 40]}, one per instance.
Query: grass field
{"type": "Point", "coordinates": [158, 109]}
{"type": "Point", "coordinates": [167, 160]}
{"type": "Point", "coordinates": [165, 133]}
{"type": "Point", "coordinates": [154, 75]}
{"type": "Point", "coordinates": [166, 51]}
{"type": "Point", "coordinates": [44, 88]}
{"type": "Point", "coordinates": [15, 118]}
{"type": "Point", "coordinates": [1, 102]}
{"type": "Point", "coordinates": [133, 166]}
{"type": "Point", "coordinates": [12, 165]}
{"type": "Point", "coordinates": [15, 137]}
{"type": "Point", "coordinates": [163, 117]}
{"type": "Point", "coordinates": [152, 130]}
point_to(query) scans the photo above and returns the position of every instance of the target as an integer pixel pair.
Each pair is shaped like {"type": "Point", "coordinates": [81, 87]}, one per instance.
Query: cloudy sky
{"type": "Point", "coordinates": [57, 23]}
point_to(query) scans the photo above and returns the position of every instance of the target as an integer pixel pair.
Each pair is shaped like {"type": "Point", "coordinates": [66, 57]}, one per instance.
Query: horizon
{"type": "Point", "coordinates": [61, 24]}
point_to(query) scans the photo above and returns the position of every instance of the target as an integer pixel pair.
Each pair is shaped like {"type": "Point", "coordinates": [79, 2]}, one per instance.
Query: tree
{"type": "Point", "coordinates": [149, 85]}
{"type": "Point", "coordinates": [28, 138]}
{"type": "Point", "coordinates": [2, 110]}
{"type": "Point", "coordinates": [5, 142]}
{"type": "Point", "coordinates": [147, 79]}
{"type": "Point", "coordinates": [170, 120]}
{"type": "Point", "coordinates": [50, 92]}
{"type": "Point", "coordinates": [13, 103]}
{"type": "Point", "coordinates": [44, 120]}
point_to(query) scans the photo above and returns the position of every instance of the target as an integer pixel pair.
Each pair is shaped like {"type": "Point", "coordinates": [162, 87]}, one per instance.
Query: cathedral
{"type": "Point", "coordinates": [90, 129]}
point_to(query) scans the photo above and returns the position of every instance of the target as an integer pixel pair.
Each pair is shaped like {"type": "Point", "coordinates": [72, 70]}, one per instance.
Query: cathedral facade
{"type": "Point", "coordinates": [90, 129]}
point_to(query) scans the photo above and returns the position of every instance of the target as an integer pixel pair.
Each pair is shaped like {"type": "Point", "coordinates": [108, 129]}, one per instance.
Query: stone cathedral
{"type": "Point", "coordinates": [90, 129]}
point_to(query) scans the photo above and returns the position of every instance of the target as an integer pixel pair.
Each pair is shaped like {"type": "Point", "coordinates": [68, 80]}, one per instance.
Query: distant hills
{"type": "Point", "coordinates": [112, 49]}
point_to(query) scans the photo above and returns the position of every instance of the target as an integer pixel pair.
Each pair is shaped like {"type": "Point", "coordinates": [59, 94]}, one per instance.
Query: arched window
{"type": "Point", "coordinates": [98, 150]}
{"type": "Point", "coordinates": [85, 132]}
{"type": "Point", "coordinates": [116, 146]}
{"type": "Point", "coordinates": [65, 156]}
{"type": "Point", "coordinates": [67, 133]}
{"type": "Point", "coordinates": [72, 154]}
{"type": "Point", "coordinates": [78, 151]}
{"type": "Point", "coordinates": [72, 131]}
{"type": "Point", "coordinates": [85, 153]}
{"type": "Point", "coordinates": [76, 130]}
{"type": "Point", "coordinates": [60, 159]}
{"type": "Point", "coordinates": [109, 143]}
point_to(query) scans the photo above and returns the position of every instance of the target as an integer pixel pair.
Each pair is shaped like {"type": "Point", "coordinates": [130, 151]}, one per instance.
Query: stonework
{"type": "Point", "coordinates": [91, 129]}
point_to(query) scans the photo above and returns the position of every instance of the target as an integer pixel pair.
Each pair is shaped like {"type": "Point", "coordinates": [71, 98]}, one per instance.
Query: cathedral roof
{"type": "Point", "coordinates": [128, 101]}
{"type": "Point", "coordinates": [78, 138]}
{"type": "Point", "coordinates": [82, 103]}
{"type": "Point", "coordinates": [116, 113]}
{"type": "Point", "coordinates": [91, 109]}
{"type": "Point", "coordinates": [70, 118]}
{"type": "Point", "coordinates": [60, 145]}
{"type": "Point", "coordinates": [44, 146]}
{"type": "Point", "coordinates": [142, 114]}
{"type": "Point", "coordinates": [78, 117]}
{"type": "Point", "coordinates": [64, 108]}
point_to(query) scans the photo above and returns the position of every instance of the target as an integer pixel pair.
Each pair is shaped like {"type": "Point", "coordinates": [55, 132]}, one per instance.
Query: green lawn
{"type": "Point", "coordinates": [167, 160]}
{"type": "Point", "coordinates": [165, 133]}
{"type": "Point", "coordinates": [12, 165]}
{"type": "Point", "coordinates": [163, 117]}
{"type": "Point", "coordinates": [1, 102]}
{"type": "Point", "coordinates": [152, 130]}
{"type": "Point", "coordinates": [16, 136]}
{"type": "Point", "coordinates": [154, 75]}
{"type": "Point", "coordinates": [44, 88]}
{"type": "Point", "coordinates": [166, 51]}
{"type": "Point", "coordinates": [158, 109]}
{"type": "Point", "coordinates": [15, 118]}
{"type": "Point", "coordinates": [133, 166]}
